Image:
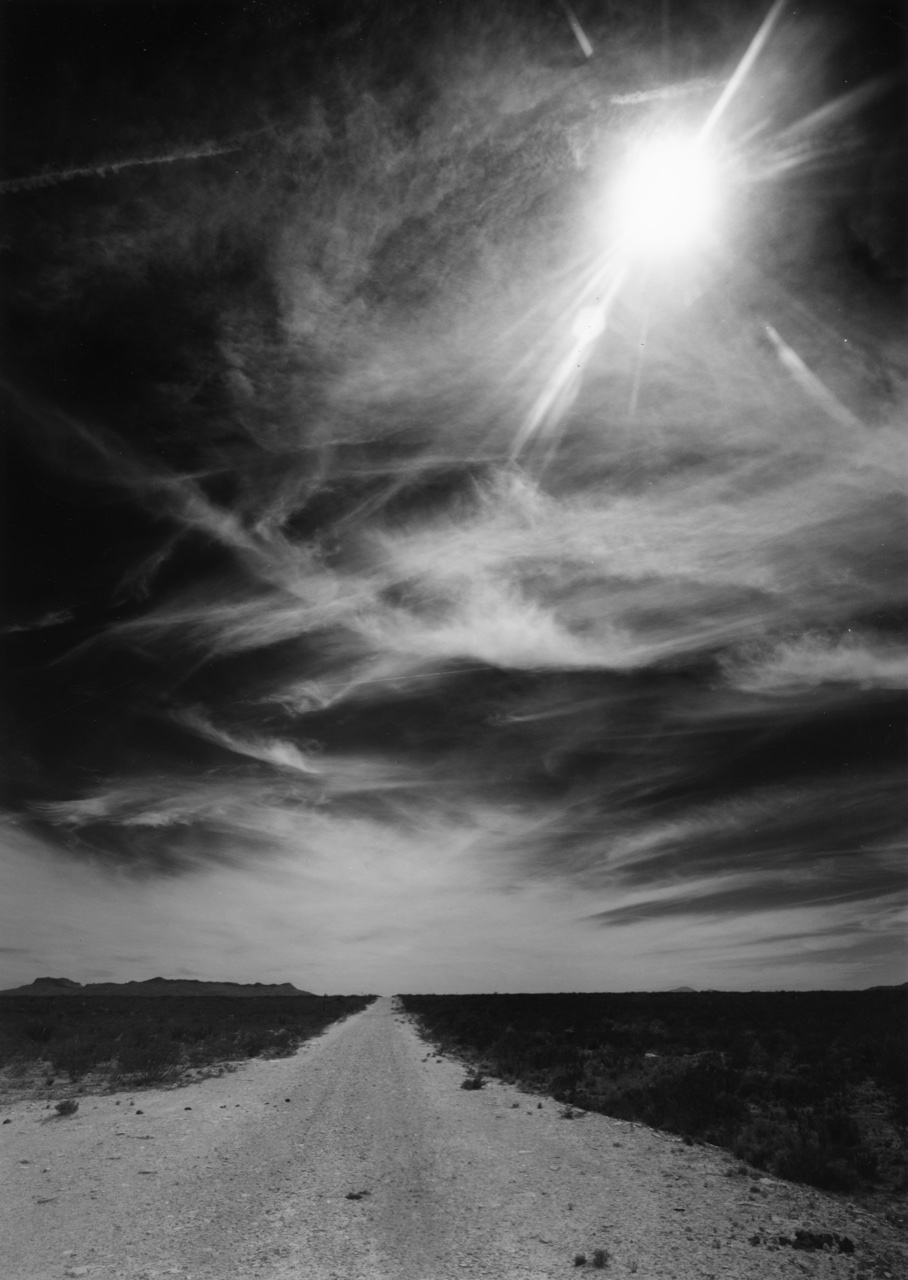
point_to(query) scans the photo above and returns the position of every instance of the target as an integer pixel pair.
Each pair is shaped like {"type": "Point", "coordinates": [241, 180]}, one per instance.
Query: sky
{"type": "Point", "coordinates": [426, 569]}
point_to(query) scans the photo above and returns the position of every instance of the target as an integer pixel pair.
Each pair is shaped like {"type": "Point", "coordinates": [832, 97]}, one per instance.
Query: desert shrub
{"type": "Point", "coordinates": [282, 1041]}
{"type": "Point", "coordinates": [796, 1089]}
{"type": "Point", "coordinates": [840, 1129]}
{"type": "Point", "coordinates": [76, 1056]}
{"type": "Point", "coordinates": [251, 1044]}
{"type": "Point", "coordinates": [564, 1085]}
{"type": "Point", "coordinates": [866, 1163]}
{"type": "Point", "coordinates": [68, 1107]}
{"type": "Point", "coordinates": [149, 1062]}
{"type": "Point", "coordinates": [807, 1161]}
{"type": "Point", "coordinates": [39, 1032]}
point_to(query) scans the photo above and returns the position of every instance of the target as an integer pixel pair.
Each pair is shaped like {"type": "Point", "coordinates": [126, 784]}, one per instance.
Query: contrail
{"type": "Point", "coordinates": [688, 87]}
{"type": "Point", "coordinates": [103, 169]}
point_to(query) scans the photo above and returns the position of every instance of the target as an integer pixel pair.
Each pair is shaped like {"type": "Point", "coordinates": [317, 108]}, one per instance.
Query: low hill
{"type": "Point", "coordinates": [153, 987]}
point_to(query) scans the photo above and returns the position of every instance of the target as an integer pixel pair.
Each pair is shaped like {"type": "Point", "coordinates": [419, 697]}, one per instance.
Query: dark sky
{"type": "Point", "coordinates": [412, 580]}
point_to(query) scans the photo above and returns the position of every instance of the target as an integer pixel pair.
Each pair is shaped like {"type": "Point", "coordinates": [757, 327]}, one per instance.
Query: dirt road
{"type": "Point", "coordinates": [251, 1175]}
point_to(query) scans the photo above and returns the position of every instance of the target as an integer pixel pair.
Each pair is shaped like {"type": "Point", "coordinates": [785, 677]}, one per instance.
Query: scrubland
{"type": "Point", "coordinates": [149, 1040]}
{"type": "Point", "coordinates": [808, 1086]}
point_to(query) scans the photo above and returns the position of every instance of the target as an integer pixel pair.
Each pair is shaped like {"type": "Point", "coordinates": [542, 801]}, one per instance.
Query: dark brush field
{"type": "Point", "coordinates": [136, 1041]}
{"type": "Point", "coordinates": [809, 1086]}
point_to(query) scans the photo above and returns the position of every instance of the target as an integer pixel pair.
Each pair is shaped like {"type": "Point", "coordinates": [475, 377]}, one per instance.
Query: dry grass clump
{"type": "Point", "coordinates": [598, 1262]}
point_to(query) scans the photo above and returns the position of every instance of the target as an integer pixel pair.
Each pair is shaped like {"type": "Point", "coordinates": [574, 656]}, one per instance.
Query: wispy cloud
{"type": "Point", "coordinates": [791, 666]}
{"type": "Point", "coordinates": [526, 578]}
{"type": "Point", "coordinates": [283, 755]}
{"type": "Point", "coordinates": [54, 618]}
{"type": "Point", "coordinates": [357, 646]}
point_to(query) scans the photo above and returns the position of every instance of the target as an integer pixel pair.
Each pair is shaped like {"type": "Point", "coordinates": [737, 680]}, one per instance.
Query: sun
{"type": "Point", "coordinates": [666, 199]}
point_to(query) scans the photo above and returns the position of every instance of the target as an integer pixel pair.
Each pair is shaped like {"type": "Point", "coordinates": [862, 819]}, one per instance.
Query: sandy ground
{"type": "Point", "coordinates": [251, 1175]}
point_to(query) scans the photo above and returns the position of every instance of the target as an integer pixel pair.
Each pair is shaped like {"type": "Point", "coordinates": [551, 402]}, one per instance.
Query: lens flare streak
{"type": "Point", "coordinates": [743, 69]}
{"type": "Point", "coordinates": [556, 397]}
{"type": "Point", "coordinates": [808, 380]}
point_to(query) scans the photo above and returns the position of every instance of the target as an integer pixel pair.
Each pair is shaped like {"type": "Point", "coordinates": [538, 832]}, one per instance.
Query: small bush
{"type": "Point", "coordinates": [38, 1032]}
{"type": "Point", "coordinates": [68, 1107]}
{"type": "Point", "coordinates": [579, 1259]}
{"type": "Point", "coordinates": [474, 1081]}
{"type": "Point", "coordinates": [809, 1162]}
{"type": "Point", "coordinates": [600, 1259]}
{"type": "Point", "coordinates": [149, 1063]}
{"type": "Point", "coordinates": [75, 1057]}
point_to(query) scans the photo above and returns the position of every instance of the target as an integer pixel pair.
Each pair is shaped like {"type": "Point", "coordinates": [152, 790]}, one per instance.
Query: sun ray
{"type": "Point", "coordinates": [743, 69]}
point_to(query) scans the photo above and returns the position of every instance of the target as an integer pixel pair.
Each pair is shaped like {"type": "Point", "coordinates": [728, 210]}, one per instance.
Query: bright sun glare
{"type": "Point", "coordinates": [666, 200]}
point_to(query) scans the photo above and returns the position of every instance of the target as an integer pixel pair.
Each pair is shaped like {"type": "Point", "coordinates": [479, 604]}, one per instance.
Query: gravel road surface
{"type": "Point", "coordinates": [361, 1158]}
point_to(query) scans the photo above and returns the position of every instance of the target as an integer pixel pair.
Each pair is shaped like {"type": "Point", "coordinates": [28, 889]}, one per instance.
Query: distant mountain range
{"type": "Point", "coordinates": [153, 987]}
{"type": "Point", "coordinates": [899, 986]}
